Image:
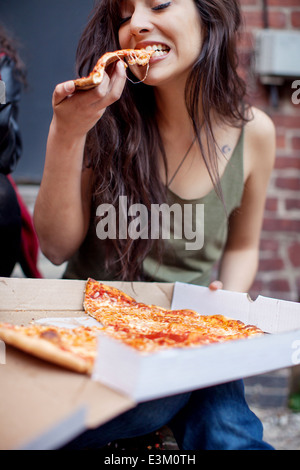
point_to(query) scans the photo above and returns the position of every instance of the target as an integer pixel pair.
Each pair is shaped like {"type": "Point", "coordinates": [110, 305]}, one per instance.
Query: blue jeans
{"type": "Point", "coordinates": [214, 418]}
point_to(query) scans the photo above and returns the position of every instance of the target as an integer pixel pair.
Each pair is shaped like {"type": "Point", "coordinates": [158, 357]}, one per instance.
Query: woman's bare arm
{"type": "Point", "coordinates": [240, 260]}
{"type": "Point", "coordinates": [62, 209]}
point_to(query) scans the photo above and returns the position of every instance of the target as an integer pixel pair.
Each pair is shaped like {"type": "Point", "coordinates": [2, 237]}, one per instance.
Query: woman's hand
{"type": "Point", "coordinates": [77, 112]}
{"type": "Point", "coordinates": [62, 209]}
{"type": "Point", "coordinates": [216, 285]}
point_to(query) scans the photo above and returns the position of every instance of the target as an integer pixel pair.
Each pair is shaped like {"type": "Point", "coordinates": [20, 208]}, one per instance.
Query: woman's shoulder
{"type": "Point", "coordinates": [260, 125]}
{"type": "Point", "coordinates": [260, 138]}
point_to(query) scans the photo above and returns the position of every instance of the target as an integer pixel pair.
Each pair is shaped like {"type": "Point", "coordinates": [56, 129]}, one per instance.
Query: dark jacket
{"type": "Point", "coordinates": [10, 139]}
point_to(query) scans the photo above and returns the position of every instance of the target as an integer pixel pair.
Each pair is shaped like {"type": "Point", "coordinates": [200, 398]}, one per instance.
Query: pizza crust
{"type": "Point", "coordinates": [43, 349]}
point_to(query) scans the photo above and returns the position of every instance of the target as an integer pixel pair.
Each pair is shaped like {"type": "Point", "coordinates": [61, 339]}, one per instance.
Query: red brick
{"type": "Point", "coordinates": [279, 285]}
{"type": "Point", "coordinates": [283, 3]}
{"type": "Point", "coordinates": [271, 204]}
{"type": "Point", "coordinates": [296, 143]}
{"type": "Point", "coordinates": [280, 140]}
{"type": "Point", "coordinates": [287, 162]}
{"type": "Point", "coordinates": [281, 225]}
{"type": "Point", "coordinates": [294, 254]}
{"type": "Point", "coordinates": [277, 19]}
{"type": "Point", "coordinates": [292, 204]}
{"type": "Point", "coordinates": [295, 19]}
{"type": "Point", "coordinates": [269, 244]}
{"type": "Point", "coordinates": [254, 19]}
{"type": "Point", "coordinates": [286, 120]}
{"type": "Point", "coordinates": [288, 183]}
{"type": "Point", "coordinates": [271, 264]}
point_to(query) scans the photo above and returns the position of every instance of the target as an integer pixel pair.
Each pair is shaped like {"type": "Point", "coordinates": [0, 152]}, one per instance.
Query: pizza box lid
{"type": "Point", "coordinates": [43, 406]}
{"type": "Point", "coordinates": [148, 376]}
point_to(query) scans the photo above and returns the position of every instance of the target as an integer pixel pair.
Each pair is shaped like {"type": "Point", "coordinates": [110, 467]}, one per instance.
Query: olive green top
{"type": "Point", "coordinates": [191, 250]}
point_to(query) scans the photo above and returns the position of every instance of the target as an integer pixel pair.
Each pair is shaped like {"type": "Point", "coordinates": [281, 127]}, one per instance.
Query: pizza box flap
{"type": "Point", "coordinates": [43, 405]}
{"type": "Point", "coordinates": [64, 295]}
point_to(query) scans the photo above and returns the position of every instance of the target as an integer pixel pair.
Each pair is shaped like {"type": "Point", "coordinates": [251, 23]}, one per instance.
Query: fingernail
{"type": "Point", "coordinates": [69, 87]}
{"type": "Point", "coordinates": [121, 65]}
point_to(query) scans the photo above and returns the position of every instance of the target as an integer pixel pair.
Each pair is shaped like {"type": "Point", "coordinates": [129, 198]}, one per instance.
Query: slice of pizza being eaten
{"type": "Point", "coordinates": [139, 57]}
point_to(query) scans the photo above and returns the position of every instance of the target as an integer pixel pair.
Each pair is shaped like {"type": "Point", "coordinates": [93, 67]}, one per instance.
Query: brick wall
{"type": "Point", "coordinates": [279, 269]}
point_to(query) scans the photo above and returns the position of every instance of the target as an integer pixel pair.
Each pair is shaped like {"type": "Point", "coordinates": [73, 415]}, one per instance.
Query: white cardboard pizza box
{"type": "Point", "coordinates": [148, 376]}
{"type": "Point", "coordinates": [42, 406]}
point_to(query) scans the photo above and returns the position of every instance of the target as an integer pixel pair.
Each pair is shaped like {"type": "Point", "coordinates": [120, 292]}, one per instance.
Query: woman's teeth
{"type": "Point", "coordinates": [159, 49]}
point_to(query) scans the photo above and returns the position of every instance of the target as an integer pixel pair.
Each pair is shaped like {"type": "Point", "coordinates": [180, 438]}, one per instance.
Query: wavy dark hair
{"type": "Point", "coordinates": [9, 46]}
{"type": "Point", "coordinates": [124, 146]}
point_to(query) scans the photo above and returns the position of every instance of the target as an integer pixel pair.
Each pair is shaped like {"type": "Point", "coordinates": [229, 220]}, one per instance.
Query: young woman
{"type": "Point", "coordinates": [183, 136]}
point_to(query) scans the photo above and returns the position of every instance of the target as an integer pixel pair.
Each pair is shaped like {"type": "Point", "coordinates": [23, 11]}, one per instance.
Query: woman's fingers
{"type": "Point", "coordinates": [62, 91]}
{"type": "Point", "coordinates": [216, 285]}
{"type": "Point", "coordinates": [111, 88]}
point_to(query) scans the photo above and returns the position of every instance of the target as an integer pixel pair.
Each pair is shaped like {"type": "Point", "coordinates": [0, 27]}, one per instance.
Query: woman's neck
{"type": "Point", "coordinates": [172, 114]}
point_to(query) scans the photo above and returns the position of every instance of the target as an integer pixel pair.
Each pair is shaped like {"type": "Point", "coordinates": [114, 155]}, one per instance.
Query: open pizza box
{"type": "Point", "coordinates": [43, 406]}
{"type": "Point", "coordinates": [144, 377]}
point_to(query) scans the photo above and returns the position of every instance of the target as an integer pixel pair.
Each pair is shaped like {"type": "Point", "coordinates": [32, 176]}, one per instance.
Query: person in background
{"type": "Point", "coordinates": [18, 241]}
{"type": "Point", "coordinates": [186, 135]}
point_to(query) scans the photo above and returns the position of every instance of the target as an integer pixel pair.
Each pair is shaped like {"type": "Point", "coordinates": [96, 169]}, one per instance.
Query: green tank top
{"type": "Point", "coordinates": [192, 247]}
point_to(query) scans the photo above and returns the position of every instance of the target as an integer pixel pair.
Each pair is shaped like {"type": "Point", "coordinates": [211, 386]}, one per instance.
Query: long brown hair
{"type": "Point", "coordinates": [9, 46]}
{"type": "Point", "coordinates": [124, 146]}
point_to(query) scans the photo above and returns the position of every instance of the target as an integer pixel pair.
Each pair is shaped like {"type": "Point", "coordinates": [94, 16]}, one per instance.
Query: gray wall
{"type": "Point", "coordinates": [48, 31]}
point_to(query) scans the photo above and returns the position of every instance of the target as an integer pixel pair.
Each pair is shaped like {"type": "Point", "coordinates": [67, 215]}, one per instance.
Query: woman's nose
{"type": "Point", "coordinates": [140, 22]}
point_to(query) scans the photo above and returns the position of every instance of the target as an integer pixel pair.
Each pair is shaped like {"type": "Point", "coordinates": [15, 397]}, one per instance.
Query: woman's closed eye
{"type": "Point", "coordinates": [160, 7]}
{"type": "Point", "coordinates": [124, 20]}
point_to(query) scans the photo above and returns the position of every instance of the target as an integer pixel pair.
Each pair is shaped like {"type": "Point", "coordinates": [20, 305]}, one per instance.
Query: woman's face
{"type": "Point", "coordinates": [172, 28]}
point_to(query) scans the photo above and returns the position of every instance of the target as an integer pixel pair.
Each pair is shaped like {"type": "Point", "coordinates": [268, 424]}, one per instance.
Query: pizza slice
{"type": "Point", "coordinates": [150, 328]}
{"type": "Point", "coordinates": [72, 348]}
{"type": "Point", "coordinates": [133, 56]}
{"type": "Point", "coordinates": [98, 295]}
